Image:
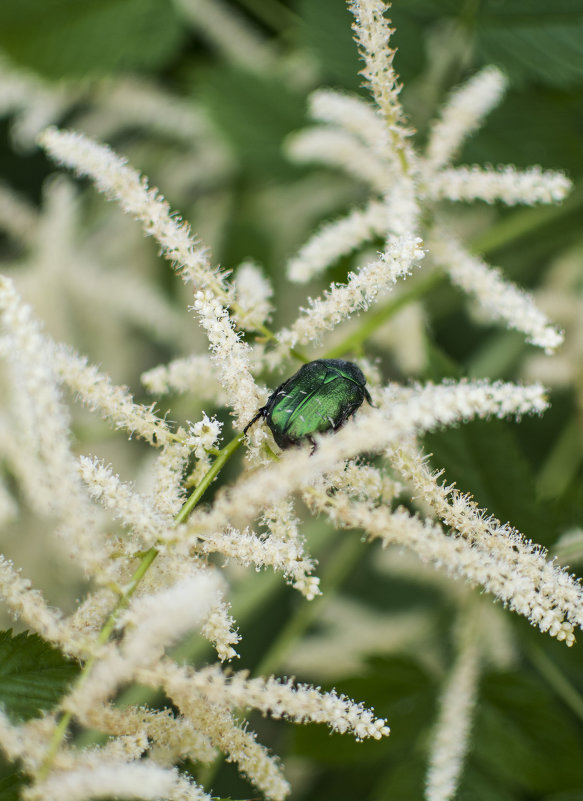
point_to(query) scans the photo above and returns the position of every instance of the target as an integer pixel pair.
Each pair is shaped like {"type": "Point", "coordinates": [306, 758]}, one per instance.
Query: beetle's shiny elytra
{"type": "Point", "coordinates": [322, 395]}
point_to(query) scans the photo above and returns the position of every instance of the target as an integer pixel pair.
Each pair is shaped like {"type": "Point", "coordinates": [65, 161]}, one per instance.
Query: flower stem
{"type": "Point", "coordinates": [146, 560]}
{"type": "Point", "coordinates": [337, 569]}
{"type": "Point", "coordinates": [268, 334]}
{"type": "Point", "coordinates": [104, 635]}
{"type": "Point", "coordinates": [556, 679]}
{"type": "Point", "coordinates": [376, 319]}
{"type": "Point", "coordinates": [522, 223]}
{"type": "Point", "coordinates": [223, 457]}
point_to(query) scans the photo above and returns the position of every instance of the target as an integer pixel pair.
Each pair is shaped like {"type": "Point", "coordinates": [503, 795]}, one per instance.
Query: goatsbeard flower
{"type": "Point", "coordinates": [159, 581]}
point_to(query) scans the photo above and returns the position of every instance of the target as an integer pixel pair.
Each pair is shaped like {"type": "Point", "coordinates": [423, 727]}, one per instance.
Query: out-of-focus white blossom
{"type": "Point", "coordinates": [228, 31]}
{"type": "Point", "coordinates": [253, 292]}
{"type": "Point", "coordinates": [335, 239]}
{"type": "Point", "coordinates": [463, 113]}
{"type": "Point", "coordinates": [34, 102]}
{"type": "Point", "coordinates": [340, 149]}
{"type": "Point", "coordinates": [196, 374]}
{"type": "Point", "coordinates": [498, 297]}
{"type": "Point", "coordinates": [153, 622]}
{"type": "Point", "coordinates": [353, 114]}
{"type": "Point", "coordinates": [120, 780]}
{"type": "Point", "coordinates": [458, 699]}
{"type": "Point", "coordinates": [507, 184]}
{"type": "Point", "coordinates": [362, 288]}
{"type": "Point", "coordinates": [17, 217]}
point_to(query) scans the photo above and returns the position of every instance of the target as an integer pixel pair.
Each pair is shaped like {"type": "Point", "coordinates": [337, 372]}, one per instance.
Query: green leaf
{"type": "Point", "coordinates": [33, 675]}
{"type": "Point", "coordinates": [400, 690]}
{"type": "Point", "coordinates": [484, 458]}
{"type": "Point", "coordinates": [475, 785]}
{"type": "Point", "coordinates": [533, 39]}
{"type": "Point", "coordinates": [12, 781]}
{"type": "Point", "coordinates": [327, 35]}
{"type": "Point", "coordinates": [404, 779]}
{"type": "Point", "coordinates": [67, 38]}
{"type": "Point", "coordinates": [533, 125]}
{"type": "Point", "coordinates": [524, 737]}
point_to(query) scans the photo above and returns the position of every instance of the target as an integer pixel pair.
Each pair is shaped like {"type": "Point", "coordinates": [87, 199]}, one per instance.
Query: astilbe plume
{"type": "Point", "coordinates": [157, 581]}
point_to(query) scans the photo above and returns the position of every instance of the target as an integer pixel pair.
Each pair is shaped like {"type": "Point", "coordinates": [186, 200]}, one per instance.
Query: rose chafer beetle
{"type": "Point", "coordinates": [322, 395]}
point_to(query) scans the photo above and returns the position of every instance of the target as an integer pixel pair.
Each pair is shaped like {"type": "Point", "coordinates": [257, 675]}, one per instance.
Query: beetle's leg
{"type": "Point", "coordinates": [313, 443]}
{"type": "Point", "coordinates": [259, 414]}
{"type": "Point", "coordinates": [369, 399]}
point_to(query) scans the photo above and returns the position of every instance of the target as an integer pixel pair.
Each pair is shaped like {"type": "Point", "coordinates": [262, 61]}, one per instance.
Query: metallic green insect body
{"type": "Point", "coordinates": [321, 396]}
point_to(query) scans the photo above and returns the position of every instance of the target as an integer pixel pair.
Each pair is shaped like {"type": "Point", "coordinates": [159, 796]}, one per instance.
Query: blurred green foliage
{"type": "Point", "coordinates": [33, 676]}
{"type": "Point", "coordinates": [66, 39]}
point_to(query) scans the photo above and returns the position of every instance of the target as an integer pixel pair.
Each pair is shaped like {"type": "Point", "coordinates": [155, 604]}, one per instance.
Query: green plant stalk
{"type": "Point", "coordinates": [375, 320]}
{"type": "Point", "coordinates": [269, 335]}
{"type": "Point", "coordinates": [222, 458]}
{"type": "Point", "coordinates": [103, 637]}
{"type": "Point", "coordinates": [146, 560]}
{"type": "Point", "coordinates": [337, 569]}
{"type": "Point", "coordinates": [523, 222]}
{"type": "Point", "coordinates": [556, 679]}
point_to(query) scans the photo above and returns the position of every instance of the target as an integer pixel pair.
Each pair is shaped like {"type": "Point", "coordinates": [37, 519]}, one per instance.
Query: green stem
{"type": "Point", "coordinates": [556, 679]}
{"type": "Point", "coordinates": [208, 478]}
{"type": "Point", "coordinates": [104, 635]}
{"type": "Point", "coordinates": [297, 354]}
{"type": "Point", "coordinates": [522, 223]}
{"type": "Point", "coordinates": [146, 560]}
{"type": "Point", "coordinates": [337, 569]}
{"type": "Point", "coordinates": [272, 13]}
{"type": "Point", "coordinates": [562, 464]}
{"type": "Point", "coordinates": [378, 318]}
{"type": "Point", "coordinates": [269, 335]}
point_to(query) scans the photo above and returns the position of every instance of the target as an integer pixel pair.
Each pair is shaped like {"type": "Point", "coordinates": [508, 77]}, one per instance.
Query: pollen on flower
{"type": "Point", "coordinates": [203, 435]}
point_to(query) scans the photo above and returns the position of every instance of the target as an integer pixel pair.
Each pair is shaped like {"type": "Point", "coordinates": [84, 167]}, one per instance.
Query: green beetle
{"type": "Point", "coordinates": [322, 395]}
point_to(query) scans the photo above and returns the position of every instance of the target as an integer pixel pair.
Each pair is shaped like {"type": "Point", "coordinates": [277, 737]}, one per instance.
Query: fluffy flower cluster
{"type": "Point", "coordinates": [157, 579]}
